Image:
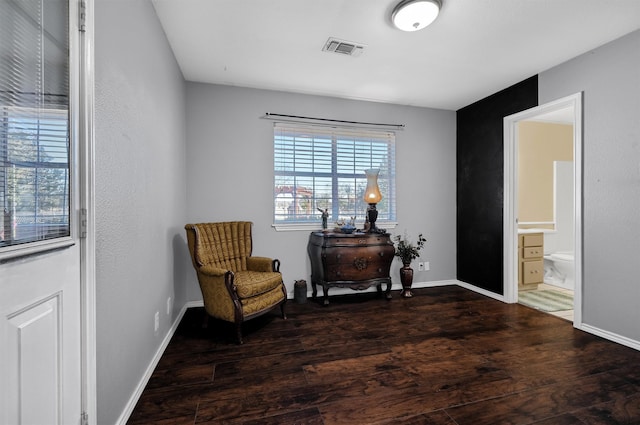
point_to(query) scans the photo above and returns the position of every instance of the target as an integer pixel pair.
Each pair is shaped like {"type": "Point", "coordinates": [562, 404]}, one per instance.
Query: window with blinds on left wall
{"type": "Point", "coordinates": [318, 168]}
{"type": "Point", "coordinates": [35, 175]}
{"type": "Point", "coordinates": [34, 125]}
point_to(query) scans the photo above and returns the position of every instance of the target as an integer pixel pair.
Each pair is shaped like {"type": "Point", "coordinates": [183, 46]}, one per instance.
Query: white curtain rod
{"type": "Point", "coordinates": [327, 121]}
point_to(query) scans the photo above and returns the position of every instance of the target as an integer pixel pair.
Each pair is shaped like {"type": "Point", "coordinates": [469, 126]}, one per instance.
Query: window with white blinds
{"type": "Point", "coordinates": [318, 168]}
{"type": "Point", "coordinates": [34, 122]}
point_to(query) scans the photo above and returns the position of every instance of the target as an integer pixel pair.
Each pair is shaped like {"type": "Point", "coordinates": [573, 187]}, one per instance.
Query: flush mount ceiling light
{"type": "Point", "coordinates": [413, 15]}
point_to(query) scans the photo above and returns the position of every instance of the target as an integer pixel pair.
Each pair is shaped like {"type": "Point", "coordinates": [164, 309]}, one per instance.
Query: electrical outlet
{"type": "Point", "coordinates": [421, 267]}
{"type": "Point", "coordinates": [169, 305]}
{"type": "Point", "coordinates": [156, 322]}
{"type": "Point", "coordinates": [426, 266]}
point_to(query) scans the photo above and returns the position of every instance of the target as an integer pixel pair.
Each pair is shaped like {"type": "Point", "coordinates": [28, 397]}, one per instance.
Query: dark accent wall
{"type": "Point", "coordinates": [480, 185]}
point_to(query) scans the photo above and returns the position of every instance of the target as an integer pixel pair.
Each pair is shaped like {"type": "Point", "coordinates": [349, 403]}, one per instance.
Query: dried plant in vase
{"type": "Point", "coordinates": [407, 252]}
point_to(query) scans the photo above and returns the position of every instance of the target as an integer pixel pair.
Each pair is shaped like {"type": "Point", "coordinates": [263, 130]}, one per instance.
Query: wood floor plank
{"type": "Point", "coordinates": [447, 356]}
{"type": "Point", "coordinates": [433, 418]}
{"type": "Point", "coordinates": [253, 385]}
{"type": "Point", "coordinates": [273, 363]}
{"type": "Point", "coordinates": [300, 417]}
{"type": "Point", "coordinates": [189, 375]}
{"type": "Point", "coordinates": [385, 407]}
{"type": "Point", "coordinates": [544, 402]}
{"type": "Point", "coordinates": [166, 407]}
{"type": "Point", "coordinates": [622, 410]}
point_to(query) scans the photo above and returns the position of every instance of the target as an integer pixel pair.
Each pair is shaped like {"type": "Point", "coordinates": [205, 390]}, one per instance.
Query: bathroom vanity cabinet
{"type": "Point", "coordinates": [530, 260]}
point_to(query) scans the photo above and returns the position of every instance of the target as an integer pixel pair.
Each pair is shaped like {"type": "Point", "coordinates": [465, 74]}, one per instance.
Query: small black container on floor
{"type": "Point", "coordinates": [300, 291]}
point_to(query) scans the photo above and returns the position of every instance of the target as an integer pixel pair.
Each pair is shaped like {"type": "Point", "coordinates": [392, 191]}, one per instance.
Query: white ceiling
{"type": "Point", "coordinates": [473, 49]}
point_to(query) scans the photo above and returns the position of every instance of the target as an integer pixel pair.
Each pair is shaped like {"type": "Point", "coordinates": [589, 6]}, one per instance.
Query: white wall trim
{"type": "Point", "coordinates": [128, 410]}
{"type": "Point", "coordinates": [510, 216]}
{"type": "Point", "coordinates": [86, 138]}
{"type": "Point", "coordinates": [431, 284]}
{"type": "Point", "coordinates": [481, 291]}
{"type": "Point", "coordinates": [622, 340]}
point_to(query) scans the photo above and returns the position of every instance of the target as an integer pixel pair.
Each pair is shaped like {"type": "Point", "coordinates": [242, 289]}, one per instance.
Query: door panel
{"type": "Point", "coordinates": [40, 330]}
{"type": "Point", "coordinates": [40, 293]}
{"type": "Point", "coordinates": [34, 351]}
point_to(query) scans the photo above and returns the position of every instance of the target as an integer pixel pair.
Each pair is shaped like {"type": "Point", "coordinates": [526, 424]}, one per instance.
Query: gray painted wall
{"type": "Point", "coordinates": [230, 171]}
{"type": "Point", "coordinates": [148, 184]}
{"type": "Point", "coordinates": [610, 79]}
{"type": "Point", "coordinates": [140, 196]}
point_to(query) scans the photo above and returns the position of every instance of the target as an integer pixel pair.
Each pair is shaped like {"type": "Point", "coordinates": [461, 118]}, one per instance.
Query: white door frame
{"type": "Point", "coordinates": [85, 65]}
{"type": "Point", "coordinates": [510, 215]}
{"type": "Point", "coordinates": [74, 347]}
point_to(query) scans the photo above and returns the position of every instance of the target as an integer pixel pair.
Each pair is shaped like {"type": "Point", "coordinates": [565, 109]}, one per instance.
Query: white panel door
{"type": "Point", "coordinates": [40, 281]}
{"type": "Point", "coordinates": [40, 331]}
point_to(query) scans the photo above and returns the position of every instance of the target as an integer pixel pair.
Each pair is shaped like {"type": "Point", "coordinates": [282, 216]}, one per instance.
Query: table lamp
{"type": "Point", "coordinates": [372, 196]}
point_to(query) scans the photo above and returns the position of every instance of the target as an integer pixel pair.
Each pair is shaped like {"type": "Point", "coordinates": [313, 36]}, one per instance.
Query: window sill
{"type": "Point", "coordinates": [31, 248]}
{"type": "Point", "coordinates": [310, 227]}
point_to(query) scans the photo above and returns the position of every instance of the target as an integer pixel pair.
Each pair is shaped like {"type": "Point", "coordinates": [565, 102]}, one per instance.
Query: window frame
{"type": "Point", "coordinates": [46, 104]}
{"type": "Point", "coordinates": [316, 138]}
{"type": "Point", "coordinates": [34, 119]}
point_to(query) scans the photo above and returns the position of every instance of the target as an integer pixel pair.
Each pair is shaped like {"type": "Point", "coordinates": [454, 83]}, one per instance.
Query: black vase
{"type": "Point", "coordinates": [406, 277]}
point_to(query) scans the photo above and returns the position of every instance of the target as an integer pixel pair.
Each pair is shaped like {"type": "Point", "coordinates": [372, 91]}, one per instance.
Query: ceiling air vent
{"type": "Point", "coordinates": [343, 47]}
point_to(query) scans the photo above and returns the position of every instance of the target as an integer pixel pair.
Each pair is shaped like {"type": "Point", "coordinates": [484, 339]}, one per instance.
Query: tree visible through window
{"type": "Point", "coordinates": [35, 175]}
{"type": "Point", "coordinates": [318, 168]}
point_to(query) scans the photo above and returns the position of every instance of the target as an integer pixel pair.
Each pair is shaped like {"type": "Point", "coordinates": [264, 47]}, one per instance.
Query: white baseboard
{"type": "Point", "coordinates": [128, 410]}
{"type": "Point", "coordinates": [622, 340]}
{"type": "Point", "coordinates": [480, 291]}
{"type": "Point", "coordinates": [628, 342]}
{"type": "Point", "coordinates": [432, 284]}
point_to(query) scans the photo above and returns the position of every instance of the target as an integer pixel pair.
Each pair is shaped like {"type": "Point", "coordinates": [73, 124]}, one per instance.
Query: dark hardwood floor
{"type": "Point", "coordinates": [446, 356]}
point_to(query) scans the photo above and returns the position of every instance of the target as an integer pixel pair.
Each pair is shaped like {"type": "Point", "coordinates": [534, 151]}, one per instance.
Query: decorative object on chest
{"type": "Point", "coordinates": [357, 261]}
{"type": "Point", "coordinates": [372, 196]}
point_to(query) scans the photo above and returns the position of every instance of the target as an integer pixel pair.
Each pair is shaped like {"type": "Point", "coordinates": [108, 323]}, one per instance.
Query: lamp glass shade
{"type": "Point", "coordinates": [415, 15]}
{"type": "Point", "coordinates": [372, 193]}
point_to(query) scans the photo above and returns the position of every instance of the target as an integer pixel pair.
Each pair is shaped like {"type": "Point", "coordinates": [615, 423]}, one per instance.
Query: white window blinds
{"type": "Point", "coordinates": [318, 167]}
{"type": "Point", "coordinates": [34, 121]}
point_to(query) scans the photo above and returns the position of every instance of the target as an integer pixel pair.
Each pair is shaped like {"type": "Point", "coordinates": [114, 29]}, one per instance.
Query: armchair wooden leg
{"type": "Point", "coordinates": [239, 333]}
{"type": "Point", "coordinates": [284, 291]}
{"type": "Point", "coordinates": [205, 320]}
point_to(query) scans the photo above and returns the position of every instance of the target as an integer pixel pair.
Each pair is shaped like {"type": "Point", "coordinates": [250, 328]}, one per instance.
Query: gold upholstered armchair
{"type": "Point", "coordinates": [235, 286]}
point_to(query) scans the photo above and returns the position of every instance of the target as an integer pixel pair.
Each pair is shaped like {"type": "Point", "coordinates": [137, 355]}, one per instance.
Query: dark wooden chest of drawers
{"type": "Point", "coordinates": [357, 261]}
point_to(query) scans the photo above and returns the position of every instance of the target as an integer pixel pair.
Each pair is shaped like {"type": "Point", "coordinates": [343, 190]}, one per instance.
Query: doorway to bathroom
{"type": "Point", "coordinates": [542, 208]}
